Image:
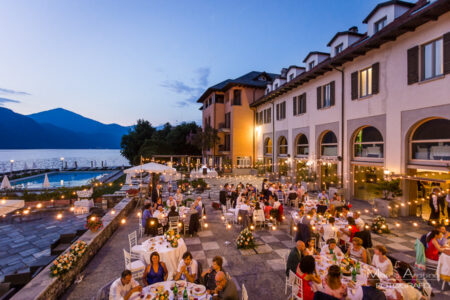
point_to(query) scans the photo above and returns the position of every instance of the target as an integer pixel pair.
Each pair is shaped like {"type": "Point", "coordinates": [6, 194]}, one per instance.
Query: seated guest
{"type": "Point", "coordinates": [357, 251]}
{"type": "Point", "coordinates": [323, 196]}
{"type": "Point", "coordinates": [305, 197]}
{"type": "Point", "coordinates": [276, 204]}
{"type": "Point", "coordinates": [331, 210]}
{"type": "Point", "coordinates": [171, 202]}
{"type": "Point", "coordinates": [267, 209]}
{"type": "Point", "coordinates": [173, 212]}
{"type": "Point", "coordinates": [307, 272]}
{"type": "Point", "coordinates": [179, 197]}
{"type": "Point", "coordinates": [294, 258]}
{"type": "Point", "coordinates": [358, 221]}
{"type": "Point", "coordinates": [196, 206]}
{"type": "Point", "coordinates": [329, 231]}
{"type": "Point", "coordinates": [381, 261]}
{"type": "Point", "coordinates": [124, 287]}
{"type": "Point", "coordinates": [209, 276]}
{"type": "Point", "coordinates": [258, 213]}
{"type": "Point", "coordinates": [332, 284]}
{"type": "Point", "coordinates": [370, 291]}
{"type": "Point", "coordinates": [443, 241]}
{"type": "Point", "coordinates": [308, 218]}
{"type": "Point", "coordinates": [345, 213]}
{"type": "Point", "coordinates": [351, 230]}
{"type": "Point", "coordinates": [311, 248]}
{"type": "Point", "coordinates": [158, 213]}
{"type": "Point", "coordinates": [158, 204]}
{"type": "Point", "coordinates": [156, 271]}
{"type": "Point", "coordinates": [433, 248]}
{"type": "Point", "coordinates": [187, 268]}
{"type": "Point", "coordinates": [226, 289]}
{"type": "Point", "coordinates": [147, 214]}
{"type": "Point", "coordinates": [301, 210]}
{"type": "Point", "coordinates": [331, 248]}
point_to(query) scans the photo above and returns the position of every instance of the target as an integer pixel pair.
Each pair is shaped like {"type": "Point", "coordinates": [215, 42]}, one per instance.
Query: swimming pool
{"type": "Point", "coordinates": [60, 179]}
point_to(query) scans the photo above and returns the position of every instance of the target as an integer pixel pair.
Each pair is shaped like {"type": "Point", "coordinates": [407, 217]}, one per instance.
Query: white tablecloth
{"type": "Point", "coordinates": [10, 206]}
{"type": "Point", "coordinates": [150, 290]}
{"type": "Point", "coordinates": [170, 256]}
{"type": "Point", "coordinates": [443, 266]}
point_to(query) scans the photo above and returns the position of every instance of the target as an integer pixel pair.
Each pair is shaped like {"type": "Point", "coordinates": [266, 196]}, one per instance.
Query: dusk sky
{"type": "Point", "coordinates": [118, 61]}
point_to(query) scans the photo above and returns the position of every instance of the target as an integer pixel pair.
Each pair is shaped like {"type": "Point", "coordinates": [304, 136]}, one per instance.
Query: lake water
{"type": "Point", "coordinates": [51, 158]}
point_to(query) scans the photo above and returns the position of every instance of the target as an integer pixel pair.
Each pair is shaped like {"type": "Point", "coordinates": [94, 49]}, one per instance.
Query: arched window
{"type": "Point", "coordinates": [431, 140]}
{"type": "Point", "coordinates": [368, 143]}
{"type": "Point", "coordinates": [268, 146]}
{"type": "Point", "coordinates": [329, 144]}
{"type": "Point", "coordinates": [301, 146]}
{"type": "Point", "coordinates": [282, 146]}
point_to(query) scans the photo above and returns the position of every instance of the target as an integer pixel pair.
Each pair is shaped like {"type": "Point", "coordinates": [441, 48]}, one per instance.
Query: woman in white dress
{"type": "Point", "coordinates": [357, 251]}
{"type": "Point", "coordinates": [381, 261]}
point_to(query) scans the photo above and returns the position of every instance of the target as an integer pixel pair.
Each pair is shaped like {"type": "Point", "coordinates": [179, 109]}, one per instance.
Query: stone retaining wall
{"type": "Point", "coordinates": [44, 287]}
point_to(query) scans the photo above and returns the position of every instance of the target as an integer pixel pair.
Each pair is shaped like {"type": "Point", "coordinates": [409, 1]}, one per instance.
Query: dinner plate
{"type": "Point", "coordinates": [198, 290]}
{"type": "Point", "coordinates": [181, 283]}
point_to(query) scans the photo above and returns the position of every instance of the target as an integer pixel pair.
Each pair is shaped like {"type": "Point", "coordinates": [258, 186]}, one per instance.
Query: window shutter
{"type": "Point", "coordinates": [278, 111]}
{"type": "Point", "coordinates": [294, 102]}
{"type": "Point", "coordinates": [446, 53]}
{"type": "Point", "coordinates": [332, 101]}
{"type": "Point", "coordinates": [375, 78]}
{"type": "Point", "coordinates": [413, 65]}
{"type": "Point", "coordinates": [319, 97]}
{"type": "Point", "coordinates": [354, 81]}
{"type": "Point", "coordinates": [304, 103]}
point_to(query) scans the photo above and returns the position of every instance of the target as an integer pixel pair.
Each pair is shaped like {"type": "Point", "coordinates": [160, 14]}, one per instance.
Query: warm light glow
{"type": "Point", "coordinates": [123, 221]}
{"type": "Point", "coordinates": [274, 227]}
{"type": "Point", "coordinates": [415, 224]}
{"type": "Point", "coordinates": [386, 172]}
{"type": "Point", "coordinates": [3, 201]}
{"type": "Point", "coordinates": [206, 225]}
{"type": "Point", "coordinates": [252, 227]}
{"type": "Point", "coordinates": [152, 222]}
{"type": "Point", "coordinates": [179, 225]}
{"type": "Point", "coordinates": [228, 226]}
{"type": "Point", "coordinates": [26, 211]}
{"type": "Point", "coordinates": [295, 228]}
{"type": "Point", "coordinates": [113, 212]}
{"type": "Point", "coordinates": [59, 216]}
{"type": "Point", "coordinates": [139, 214]}
{"type": "Point", "coordinates": [397, 224]}
{"type": "Point", "coordinates": [39, 205]}
{"type": "Point", "coordinates": [72, 208]}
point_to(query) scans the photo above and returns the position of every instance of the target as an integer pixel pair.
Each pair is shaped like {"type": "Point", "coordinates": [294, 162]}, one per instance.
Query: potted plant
{"type": "Point", "coordinates": [388, 190]}
{"type": "Point", "coordinates": [94, 223]}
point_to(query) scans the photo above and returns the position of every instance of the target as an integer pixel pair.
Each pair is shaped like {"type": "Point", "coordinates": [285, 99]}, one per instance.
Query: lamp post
{"type": "Point", "coordinates": [12, 165]}
{"type": "Point", "coordinates": [62, 162]}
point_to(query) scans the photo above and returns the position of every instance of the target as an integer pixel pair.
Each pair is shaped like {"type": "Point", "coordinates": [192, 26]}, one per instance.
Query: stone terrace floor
{"type": "Point", "coordinates": [22, 243]}
{"type": "Point", "coordinates": [262, 274]}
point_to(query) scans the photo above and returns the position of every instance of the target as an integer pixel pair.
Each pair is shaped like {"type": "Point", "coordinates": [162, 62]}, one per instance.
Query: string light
{"type": "Point", "coordinates": [123, 221]}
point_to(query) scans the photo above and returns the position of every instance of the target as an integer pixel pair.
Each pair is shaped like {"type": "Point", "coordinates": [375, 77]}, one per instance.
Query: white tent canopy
{"type": "Point", "coordinates": [151, 168]}
{"type": "Point", "coordinates": [46, 183]}
{"type": "Point", "coordinates": [128, 179]}
{"type": "Point", "coordinates": [7, 206]}
{"type": "Point", "coordinates": [5, 183]}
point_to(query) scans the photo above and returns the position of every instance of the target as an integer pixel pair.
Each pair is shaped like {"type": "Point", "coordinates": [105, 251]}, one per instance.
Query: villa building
{"type": "Point", "coordinates": [376, 105]}
{"type": "Point", "coordinates": [226, 108]}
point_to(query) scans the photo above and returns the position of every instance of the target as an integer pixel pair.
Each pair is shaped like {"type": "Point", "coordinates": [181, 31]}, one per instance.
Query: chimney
{"type": "Point", "coordinates": [353, 29]}
{"type": "Point", "coordinates": [284, 72]}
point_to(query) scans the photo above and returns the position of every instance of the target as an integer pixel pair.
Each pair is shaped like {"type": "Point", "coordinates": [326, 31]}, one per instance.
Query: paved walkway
{"type": "Point", "coordinates": [262, 274]}
{"type": "Point", "coordinates": [23, 243]}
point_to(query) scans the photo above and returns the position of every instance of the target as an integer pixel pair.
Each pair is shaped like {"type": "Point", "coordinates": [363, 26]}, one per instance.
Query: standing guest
{"type": "Point", "coordinates": [158, 204]}
{"type": "Point", "coordinates": [434, 206]}
{"type": "Point", "coordinates": [447, 199]}
{"type": "Point", "coordinates": [307, 272]}
{"type": "Point", "coordinates": [331, 248]}
{"type": "Point", "coordinates": [323, 196]}
{"type": "Point", "coordinates": [433, 248]}
{"type": "Point", "coordinates": [209, 276]}
{"type": "Point", "coordinates": [187, 268]}
{"type": "Point", "coordinates": [147, 214]}
{"type": "Point", "coordinates": [294, 258]}
{"type": "Point", "coordinates": [223, 195]}
{"type": "Point", "coordinates": [156, 271]}
{"type": "Point", "coordinates": [311, 248]}
{"type": "Point", "coordinates": [381, 261]}
{"type": "Point", "coordinates": [179, 197]}
{"type": "Point", "coordinates": [358, 221]}
{"type": "Point", "coordinates": [197, 206]}
{"type": "Point", "coordinates": [124, 287]}
{"type": "Point", "coordinates": [370, 291]}
{"type": "Point", "coordinates": [226, 289]}
{"type": "Point", "coordinates": [171, 202]}
{"type": "Point", "coordinates": [357, 251]}
{"type": "Point", "coordinates": [332, 284]}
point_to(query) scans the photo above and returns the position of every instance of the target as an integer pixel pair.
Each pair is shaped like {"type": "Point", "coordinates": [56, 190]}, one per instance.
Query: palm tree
{"type": "Point", "coordinates": [206, 139]}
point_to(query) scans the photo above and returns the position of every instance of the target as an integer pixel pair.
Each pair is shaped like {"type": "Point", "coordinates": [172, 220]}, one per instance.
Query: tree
{"type": "Point", "coordinates": [133, 141]}
{"type": "Point", "coordinates": [206, 139]}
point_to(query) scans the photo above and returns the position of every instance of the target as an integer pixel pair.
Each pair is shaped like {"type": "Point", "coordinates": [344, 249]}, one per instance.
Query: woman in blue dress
{"type": "Point", "coordinates": [156, 271]}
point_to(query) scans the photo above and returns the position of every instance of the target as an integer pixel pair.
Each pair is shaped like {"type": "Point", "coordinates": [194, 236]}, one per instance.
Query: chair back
{"type": "Point", "coordinates": [297, 287]}
{"type": "Point", "coordinates": [244, 293]}
{"type": "Point", "coordinates": [427, 290]}
{"type": "Point", "coordinates": [132, 239]}
{"type": "Point", "coordinates": [127, 258]}
{"type": "Point", "coordinates": [291, 279]}
{"type": "Point", "coordinates": [199, 278]}
{"type": "Point", "coordinates": [173, 221]}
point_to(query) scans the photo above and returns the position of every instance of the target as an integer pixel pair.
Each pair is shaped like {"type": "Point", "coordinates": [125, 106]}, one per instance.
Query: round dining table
{"type": "Point", "coordinates": [170, 256]}
{"type": "Point", "coordinates": [194, 291]}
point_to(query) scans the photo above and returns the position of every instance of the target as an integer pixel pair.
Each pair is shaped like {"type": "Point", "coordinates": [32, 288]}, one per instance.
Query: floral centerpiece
{"type": "Point", "coordinates": [172, 238]}
{"type": "Point", "coordinates": [379, 225]}
{"type": "Point", "coordinates": [66, 261]}
{"type": "Point", "coordinates": [245, 240]}
{"type": "Point", "coordinates": [161, 295]}
{"type": "Point", "coordinates": [94, 223]}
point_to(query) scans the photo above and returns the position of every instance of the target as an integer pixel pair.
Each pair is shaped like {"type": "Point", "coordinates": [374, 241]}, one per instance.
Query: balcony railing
{"type": "Point", "coordinates": [236, 101]}
{"type": "Point", "coordinates": [224, 125]}
{"type": "Point", "coordinates": [224, 148]}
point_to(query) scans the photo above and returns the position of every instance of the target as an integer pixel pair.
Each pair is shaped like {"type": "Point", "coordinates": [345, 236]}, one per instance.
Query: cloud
{"type": "Point", "coordinates": [13, 92]}
{"type": "Point", "coordinates": [190, 91]}
{"type": "Point", "coordinates": [6, 100]}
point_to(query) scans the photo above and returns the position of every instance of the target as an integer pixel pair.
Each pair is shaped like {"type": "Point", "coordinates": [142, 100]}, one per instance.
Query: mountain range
{"type": "Point", "coordinates": [57, 129]}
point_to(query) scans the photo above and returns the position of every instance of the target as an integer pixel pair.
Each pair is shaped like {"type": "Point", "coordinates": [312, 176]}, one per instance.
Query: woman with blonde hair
{"type": "Point", "coordinates": [381, 261]}
{"type": "Point", "coordinates": [357, 251]}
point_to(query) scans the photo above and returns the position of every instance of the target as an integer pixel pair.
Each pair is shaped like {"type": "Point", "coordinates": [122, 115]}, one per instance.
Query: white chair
{"type": "Point", "coordinates": [141, 230]}
{"type": "Point", "coordinates": [229, 217]}
{"type": "Point", "coordinates": [244, 293]}
{"type": "Point", "coordinates": [173, 224]}
{"type": "Point", "coordinates": [135, 248]}
{"type": "Point", "coordinates": [427, 289]}
{"type": "Point", "coordinates": [290, 278]}
{"type": "Point", "coordinates": [259, 218]}
{"type": "Point", "coordinates": [136, 267]}
{"type": "Point", "coordinates": [297, 288]}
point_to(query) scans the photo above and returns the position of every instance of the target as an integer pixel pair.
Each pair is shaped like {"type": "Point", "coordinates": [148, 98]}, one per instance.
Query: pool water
{"type": "Point", "coordinates": [60, 179]}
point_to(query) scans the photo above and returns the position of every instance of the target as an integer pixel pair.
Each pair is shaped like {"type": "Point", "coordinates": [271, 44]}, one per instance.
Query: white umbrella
{"type": "Point", "coordinates": [5, 183]}
{"type": "Point", "coordinates": [34, 167]}
{"type": "Point", "coordinates": [25, 166]}
{"type": "Point", "coordinates": [46, 183]}
{"type": "Point", "coordinates": [128, 179]}
{"type": "Point", "coordinates": [151, 168]}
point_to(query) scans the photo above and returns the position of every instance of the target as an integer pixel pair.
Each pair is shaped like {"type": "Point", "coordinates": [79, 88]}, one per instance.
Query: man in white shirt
{"type": "Point", "coordinates": [331, 248]}
{"type": "Point", "coordinates": [179, 197]}
{"type": "Point", "coordinates": [124, 287]}
{"type": "Point", "coordinates": [329, 231]}
{"type": "Point", "coordinates": [171, 202]}
{"type": "Point", "coordinates": [187, 268]}
{"type": "Point", "coordinates": [358, 221]}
